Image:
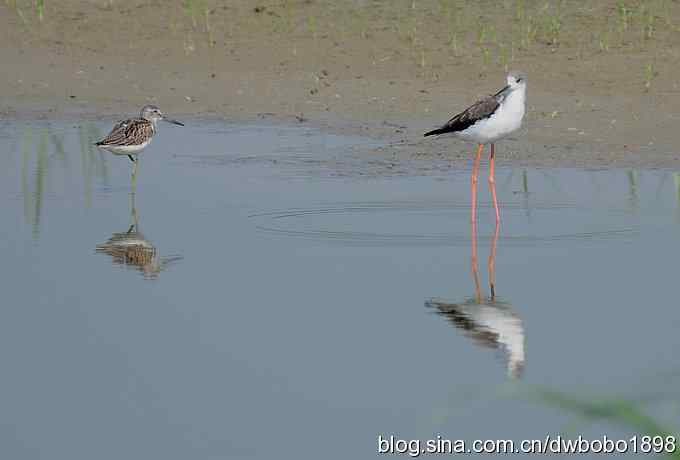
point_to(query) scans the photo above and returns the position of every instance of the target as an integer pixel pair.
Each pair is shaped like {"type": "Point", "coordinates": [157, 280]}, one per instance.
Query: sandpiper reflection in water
{"type": "Point", "coordinates": [488, 321]}
{"type": "Point", "coordinates": [132, 250]}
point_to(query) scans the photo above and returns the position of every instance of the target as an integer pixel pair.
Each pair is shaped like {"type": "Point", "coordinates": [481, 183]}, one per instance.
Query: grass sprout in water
{"type": "Point", "coordinates": [614, 411]}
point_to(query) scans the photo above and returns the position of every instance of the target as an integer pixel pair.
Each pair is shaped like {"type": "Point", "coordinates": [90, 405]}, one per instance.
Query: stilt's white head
{"type": "Point", "coordinates": [517, 80]}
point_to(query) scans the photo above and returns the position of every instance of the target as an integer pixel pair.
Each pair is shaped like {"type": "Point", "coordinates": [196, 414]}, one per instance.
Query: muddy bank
{"type": "Point", "coordinates": [603, 86]}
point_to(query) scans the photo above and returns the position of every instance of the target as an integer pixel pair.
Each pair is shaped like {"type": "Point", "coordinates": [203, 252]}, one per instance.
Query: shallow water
{"type": "Point", "coordinates": [268, 293]}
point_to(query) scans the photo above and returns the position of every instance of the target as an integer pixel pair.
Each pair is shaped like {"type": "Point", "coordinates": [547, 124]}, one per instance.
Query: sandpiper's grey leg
{"type": "Point", "coordinates": [134, 220]}
{"type": "Point", "coordinates": [134, 177]}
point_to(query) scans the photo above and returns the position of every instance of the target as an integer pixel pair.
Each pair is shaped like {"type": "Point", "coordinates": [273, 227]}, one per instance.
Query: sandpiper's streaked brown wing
{"type": "Point", "coordinates": [135, 131]}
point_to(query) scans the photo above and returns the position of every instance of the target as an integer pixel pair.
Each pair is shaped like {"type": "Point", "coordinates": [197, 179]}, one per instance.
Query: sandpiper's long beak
{"type": "Point", "coordinates": [174, 122]}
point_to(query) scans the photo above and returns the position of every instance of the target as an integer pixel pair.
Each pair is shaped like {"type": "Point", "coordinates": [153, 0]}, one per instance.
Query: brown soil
{"type": "Point", "coordinates": [603, 80]}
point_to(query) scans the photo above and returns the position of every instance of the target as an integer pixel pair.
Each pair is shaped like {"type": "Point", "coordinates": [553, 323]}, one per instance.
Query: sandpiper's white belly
{"type": "Point", "coordinates": [126, 149]}
{"type": "Point", "coordinates": [506, 120]}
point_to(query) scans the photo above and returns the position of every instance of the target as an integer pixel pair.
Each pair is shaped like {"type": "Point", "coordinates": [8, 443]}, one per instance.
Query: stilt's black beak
{"type": "Point", "coordinates": [505, 88]}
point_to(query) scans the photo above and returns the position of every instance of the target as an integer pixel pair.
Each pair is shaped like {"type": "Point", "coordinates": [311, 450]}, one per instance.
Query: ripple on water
{"type": "Point", "coordinates": [402, 223]}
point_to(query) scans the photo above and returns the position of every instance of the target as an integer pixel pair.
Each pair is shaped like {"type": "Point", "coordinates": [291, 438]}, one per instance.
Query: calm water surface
{"type": "Point", "coordinates": [268, 293]}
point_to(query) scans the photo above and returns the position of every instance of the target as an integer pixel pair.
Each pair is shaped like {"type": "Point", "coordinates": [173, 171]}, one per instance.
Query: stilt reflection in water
{"type": "Point", "coordinates": [488, 321]}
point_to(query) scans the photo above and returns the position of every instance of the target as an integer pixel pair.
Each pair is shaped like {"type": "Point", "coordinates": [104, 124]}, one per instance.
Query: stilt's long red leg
{"type": "Point", "coordinates": [473, 261]}
{"type": "Point", "coordinates": [473, 182]}
{"type": "Point", "coordinates": [473, 221]}
{"type": "Point", "coordinates": [492, 262]}
{"type": "Point", "coordinates": [492, 185]}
